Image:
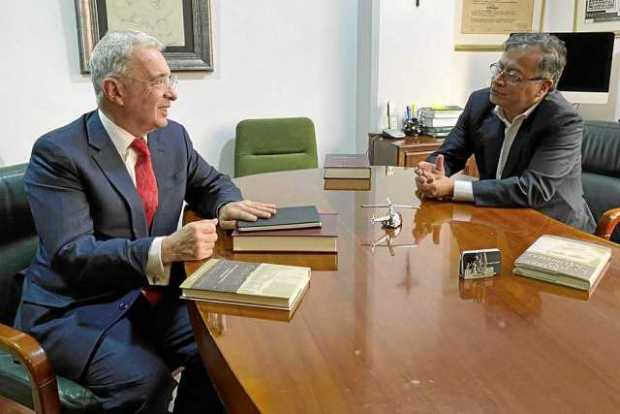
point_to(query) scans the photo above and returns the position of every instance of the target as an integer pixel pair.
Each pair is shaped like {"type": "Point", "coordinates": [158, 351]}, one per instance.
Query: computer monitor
{"type": "Point", "coordinates": [586, 77]}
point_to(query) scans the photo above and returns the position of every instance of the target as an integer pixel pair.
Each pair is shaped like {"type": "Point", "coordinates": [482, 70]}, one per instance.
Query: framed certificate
{"type": "Point", "coordinates": [597, 16]}
{"type": "Point", "coordinates": [485, 24]}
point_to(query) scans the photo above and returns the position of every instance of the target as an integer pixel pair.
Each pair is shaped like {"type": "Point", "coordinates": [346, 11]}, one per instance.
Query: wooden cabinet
{"type": "Point", "coordinates": [408, 152]}
{"type": "Point", "coordinates": [405, 152]}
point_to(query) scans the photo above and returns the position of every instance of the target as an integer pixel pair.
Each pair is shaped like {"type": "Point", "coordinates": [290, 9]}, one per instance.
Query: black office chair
{"type": "Point", "coordinates": [600, 163]}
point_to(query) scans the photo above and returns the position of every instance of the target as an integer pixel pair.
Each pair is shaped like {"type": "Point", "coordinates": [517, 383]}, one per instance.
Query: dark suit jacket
{"type": "Point", "coordinates": [543, 169]}
{"type": "Point", "coordinates": [93, 237]}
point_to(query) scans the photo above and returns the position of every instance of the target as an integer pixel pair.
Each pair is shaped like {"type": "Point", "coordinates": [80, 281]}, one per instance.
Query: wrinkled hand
{"type": "Point", "coordinates": [194, 241]}
{"type": "Point", "coordinates": [431, 179]}
{"type": "Point", "coordinates": [244, 210]}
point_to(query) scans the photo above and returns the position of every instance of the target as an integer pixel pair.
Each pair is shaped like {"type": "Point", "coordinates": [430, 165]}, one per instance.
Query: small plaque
{"type": "Point", "coordinates": [477, 264]}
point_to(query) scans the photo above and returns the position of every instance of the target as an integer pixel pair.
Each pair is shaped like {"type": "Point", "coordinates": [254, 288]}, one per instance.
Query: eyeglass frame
{"type": "Point", "coordinates": [497, 71]}
{"type": "Point", "coordinates": [169, 82]}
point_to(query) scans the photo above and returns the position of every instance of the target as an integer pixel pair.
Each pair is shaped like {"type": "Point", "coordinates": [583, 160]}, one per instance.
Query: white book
{"type": "Point", "coordinates": [569, 262]}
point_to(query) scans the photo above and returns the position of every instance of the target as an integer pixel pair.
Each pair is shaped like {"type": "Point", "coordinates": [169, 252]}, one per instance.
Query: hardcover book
{"type": "Point", "coordinates": [285, 218]}
{"type": "Point", "coordinates": [445, 111]}
{"type": "Point", "coordinates": [250, 284]}
{"type": "Point", "coordinates": [439, 122]}
{"type": "Point", "coordinates": [347, 184]}
{"type": "Point", "coordinates": [346, 166]}
{"type": "Point", "coordinates": [569, 262]}
{"type": "Point", "coordinates": [318, 239]}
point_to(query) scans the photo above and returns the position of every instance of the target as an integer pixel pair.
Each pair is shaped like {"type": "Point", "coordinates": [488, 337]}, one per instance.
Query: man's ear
{"type": "Point", "coordinates": [113, 91]}
{"type": "Point", "coordinates": [546, 86]}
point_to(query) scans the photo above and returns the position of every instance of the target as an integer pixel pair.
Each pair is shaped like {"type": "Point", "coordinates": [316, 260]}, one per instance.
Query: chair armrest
{"type": "Point", "coordinates": [607, 223]}
{"type": "Point", "coordinates": [31, 355]}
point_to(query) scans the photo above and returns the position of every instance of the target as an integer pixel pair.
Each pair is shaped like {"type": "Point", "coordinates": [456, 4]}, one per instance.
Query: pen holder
{"type": "Point", "coordinates": [412, 127]}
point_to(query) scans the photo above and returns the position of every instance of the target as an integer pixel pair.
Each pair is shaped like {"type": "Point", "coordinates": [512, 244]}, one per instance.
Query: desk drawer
{"type": "Point", "coordinates": [412, 158]}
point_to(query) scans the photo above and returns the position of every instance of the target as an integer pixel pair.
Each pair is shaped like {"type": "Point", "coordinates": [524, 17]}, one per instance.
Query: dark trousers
{"type": "Point", "coordinates": [130, 370]}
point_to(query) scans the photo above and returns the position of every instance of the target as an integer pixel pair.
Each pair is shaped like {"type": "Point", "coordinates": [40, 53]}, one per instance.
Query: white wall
{"type": "Point", "coordinates": [336, 61]}
{"type": "Point", "coordinates": [272, 58]}
{"type": "Point", "coordinates": [417, 61]}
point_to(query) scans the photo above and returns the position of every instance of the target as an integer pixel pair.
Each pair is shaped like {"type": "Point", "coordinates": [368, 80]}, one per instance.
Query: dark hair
{"type": "Point", "coordinates": [553, 51]}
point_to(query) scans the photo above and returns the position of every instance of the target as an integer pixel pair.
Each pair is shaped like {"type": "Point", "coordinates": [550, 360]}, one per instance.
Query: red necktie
{"type": "Point", "coordinates": [145, 179]}
{"type": "Point", "coordinates": [146, 184]}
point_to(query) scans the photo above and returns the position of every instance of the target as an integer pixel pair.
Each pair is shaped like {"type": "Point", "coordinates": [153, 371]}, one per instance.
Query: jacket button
{"type": "Point", "coordinates": [122, 306]}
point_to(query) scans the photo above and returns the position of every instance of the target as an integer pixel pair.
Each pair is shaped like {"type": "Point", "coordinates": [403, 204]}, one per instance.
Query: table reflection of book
{"type": "Point", "coordinates": [210, 310]}
{"type": "Point", "coordinates": [315, 261]}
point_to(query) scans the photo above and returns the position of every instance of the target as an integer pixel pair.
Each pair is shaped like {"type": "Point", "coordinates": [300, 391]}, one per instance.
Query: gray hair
{"type": "Point", "coordinates": [112, 53]}
{"type": "Point", "coordinates": [553, 52]}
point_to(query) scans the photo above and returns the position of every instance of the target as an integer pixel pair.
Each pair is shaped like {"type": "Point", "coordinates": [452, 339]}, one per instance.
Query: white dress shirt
{"type": "Point", "coordinates": [463, 190]}
{"type": "Point", "coordinates": [156, 272]}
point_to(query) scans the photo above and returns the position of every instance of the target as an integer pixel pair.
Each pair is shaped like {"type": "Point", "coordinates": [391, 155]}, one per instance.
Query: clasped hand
{"type": "Point", "coordinates": [432, 181]}
{"type": "Point", "coordinates": [196, 240]}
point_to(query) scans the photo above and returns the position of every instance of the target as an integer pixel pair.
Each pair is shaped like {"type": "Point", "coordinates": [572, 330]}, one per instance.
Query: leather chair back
{"type": "Point", "coordinates": [18, 241]}
{"type": "Point", "coordinates": [600, 163]}
{"type": "Point", "coordinates": [278, 144]}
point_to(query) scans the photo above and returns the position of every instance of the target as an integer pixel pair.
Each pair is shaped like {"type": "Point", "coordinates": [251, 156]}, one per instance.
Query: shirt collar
{"type": "Point", "coordinates": [121, 138]}
{"type": "Point", "coordinates": [500, 114]}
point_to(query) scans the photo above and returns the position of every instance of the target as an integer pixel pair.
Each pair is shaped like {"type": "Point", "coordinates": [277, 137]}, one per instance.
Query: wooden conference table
{"type": "Point", "coordinates": [401, 333]}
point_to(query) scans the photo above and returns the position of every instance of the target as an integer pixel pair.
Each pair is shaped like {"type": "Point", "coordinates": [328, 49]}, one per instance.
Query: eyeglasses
{"type": "Point", "coordinates": [163, 82]}
{"type": "Point", "coordinates": [166, 82]}
{"type": "Point", "coordinates": [511, 77]}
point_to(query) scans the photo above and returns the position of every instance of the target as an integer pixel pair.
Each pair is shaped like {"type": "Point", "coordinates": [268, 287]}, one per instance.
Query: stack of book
{"type": "Point", "coordinates": [439, 121]}
{"type": "Point", "coordinates": [563, 261]}
{"type": "Point", "coordinates": [261, 285]}
{"type": "Point", "coordinates": [291, 229]}
{"type": "Point", "coordinates": [291, 239]}
{"type": "Point", "coordinates": [347, 172]}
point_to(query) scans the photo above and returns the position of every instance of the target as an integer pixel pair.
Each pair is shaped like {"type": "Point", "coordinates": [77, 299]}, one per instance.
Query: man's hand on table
{"type": "Point", "coordinates": [244, 210]}
{"type": "Point", "coordinates": [432, 181]}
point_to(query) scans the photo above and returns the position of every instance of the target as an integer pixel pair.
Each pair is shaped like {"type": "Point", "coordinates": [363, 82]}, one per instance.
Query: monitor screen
{"type": "Point", "coordinates": [588, 66]}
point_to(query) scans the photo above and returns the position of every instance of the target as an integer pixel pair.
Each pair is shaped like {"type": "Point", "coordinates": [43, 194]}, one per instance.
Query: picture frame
{"type": "Point", "coordinates": [476, 28]}
{"type": "Point", "coordinates": [184, 26]}
{"type": "Point", "coordinates": [600, 16]}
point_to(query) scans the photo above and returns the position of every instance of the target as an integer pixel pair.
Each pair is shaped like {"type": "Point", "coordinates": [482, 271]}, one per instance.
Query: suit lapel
{"type": "Point", "coordinates": [520, 143]}
{"type": "Point", "coordinates": [108, 159]}
{"type": "Point", "coordinates": [492, 136]}
{"type": "Point", "coordinates": [159, 167]}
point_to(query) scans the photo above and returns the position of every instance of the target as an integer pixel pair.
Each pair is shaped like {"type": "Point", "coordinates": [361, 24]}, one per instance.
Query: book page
{"type": "Point", "coordinates": [275, 281]}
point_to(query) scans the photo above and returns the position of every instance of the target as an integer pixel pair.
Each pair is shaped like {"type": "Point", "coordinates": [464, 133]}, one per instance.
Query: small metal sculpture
{"type": "Point", "coordinates": [394, 219]}
{"type": "Point", "coordinates": [391, 224]}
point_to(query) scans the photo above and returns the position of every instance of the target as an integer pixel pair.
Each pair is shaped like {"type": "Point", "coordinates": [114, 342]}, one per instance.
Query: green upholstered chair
{"type": "Point", "coordinates": [277, 144]}
{"type": "Point", "coordinates": [26, 376]}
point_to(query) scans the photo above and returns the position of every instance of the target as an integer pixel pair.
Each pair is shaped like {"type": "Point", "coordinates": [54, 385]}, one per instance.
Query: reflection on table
{"type": "Point", "coordinates": [400, 332]}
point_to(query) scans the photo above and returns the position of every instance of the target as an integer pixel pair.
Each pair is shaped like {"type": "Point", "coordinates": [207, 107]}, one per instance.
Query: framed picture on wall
{"type": "Point", "coordinates": [485, 24]}
{"type": "Point", "coordinates": [597, 16]}
{"type": "Point", "coordinates": [184, 26]}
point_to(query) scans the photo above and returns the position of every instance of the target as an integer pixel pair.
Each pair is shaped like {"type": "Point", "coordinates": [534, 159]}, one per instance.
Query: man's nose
{"type": "Point", "coordinates": [498, 80]}
{"type": "Point", "coordinates": [171, 94]}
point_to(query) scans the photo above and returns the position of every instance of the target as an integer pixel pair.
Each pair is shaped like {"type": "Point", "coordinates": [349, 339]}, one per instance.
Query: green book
{"type": "Point", "coordinates": [563, 261]}
{"type": "Point", "coordinates": [301, 217]}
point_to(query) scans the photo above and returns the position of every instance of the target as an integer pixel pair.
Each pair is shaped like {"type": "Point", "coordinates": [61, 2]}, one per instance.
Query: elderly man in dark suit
{"type": "Point", "coordinates": [526, 138]}
{"type": "Point", "coordinates": [106, 192]}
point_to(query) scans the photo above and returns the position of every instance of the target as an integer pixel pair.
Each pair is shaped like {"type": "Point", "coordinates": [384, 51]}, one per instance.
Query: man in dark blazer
{"type": "Point", "coordinates": [525, 136]}
{"type": "Point", "coordinates": [106, 192]}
